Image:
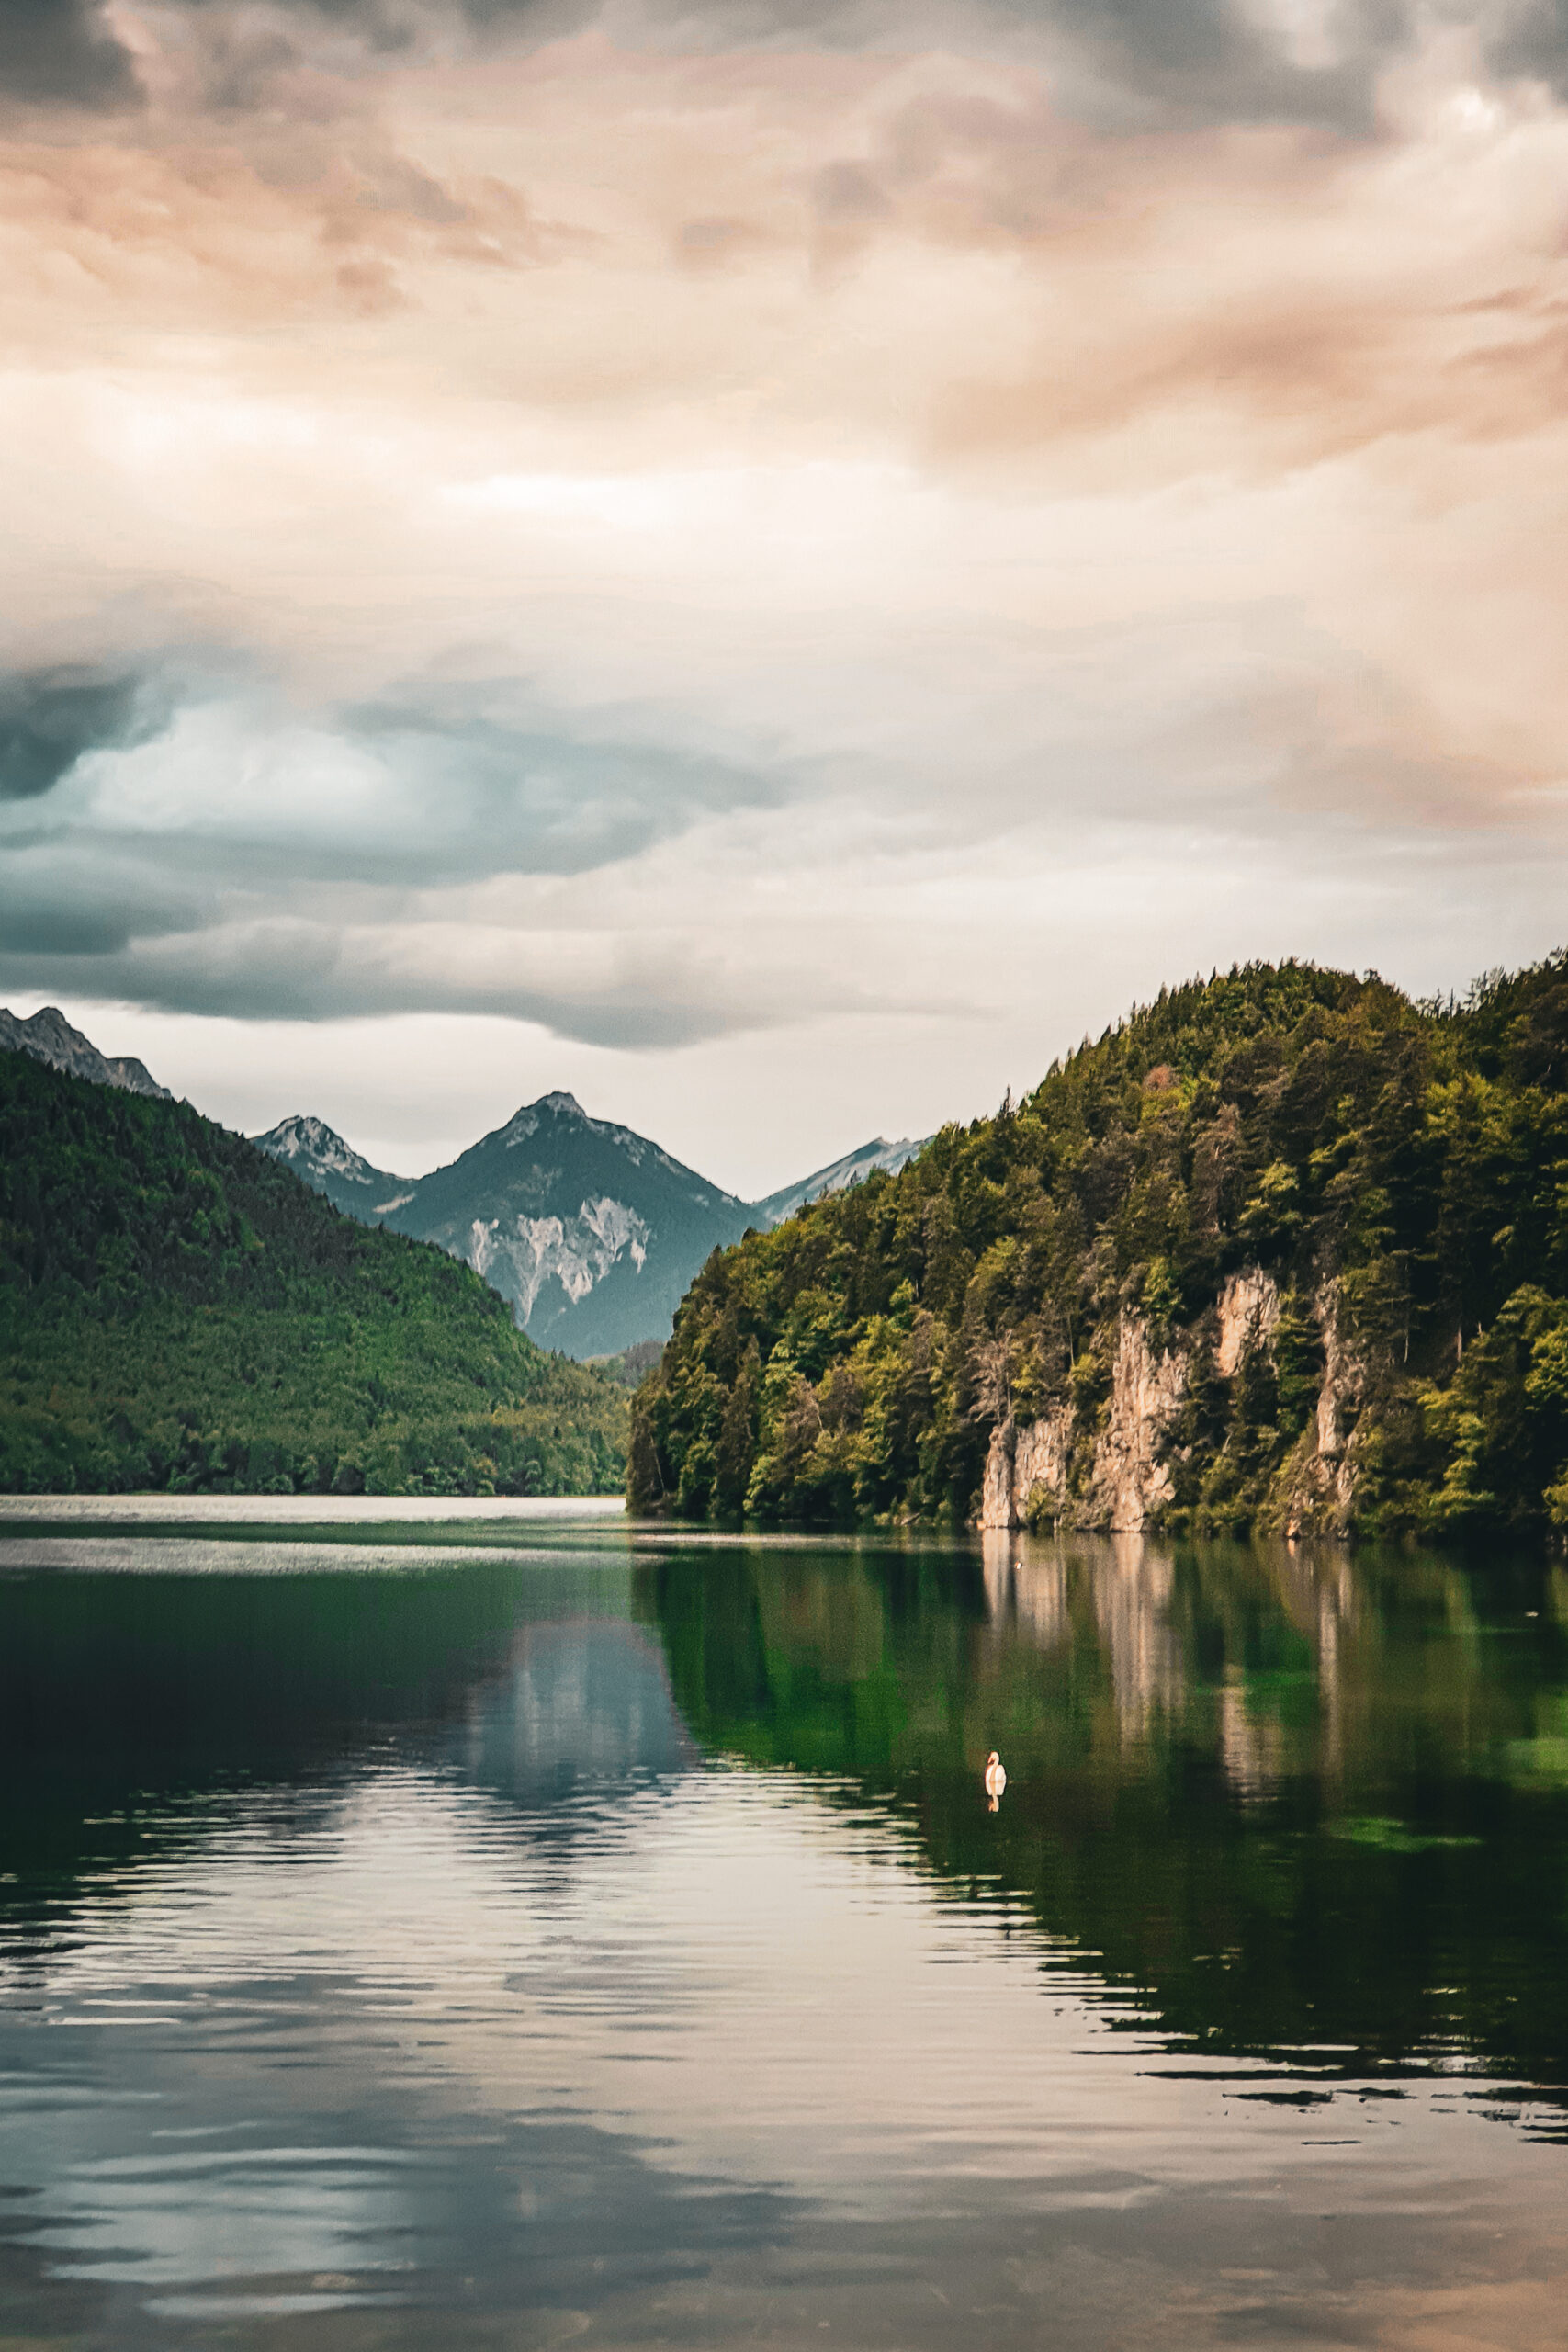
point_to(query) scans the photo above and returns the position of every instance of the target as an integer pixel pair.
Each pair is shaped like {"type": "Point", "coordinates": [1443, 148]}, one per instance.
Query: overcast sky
{"type": "Point", "coordinates": [774, 563]}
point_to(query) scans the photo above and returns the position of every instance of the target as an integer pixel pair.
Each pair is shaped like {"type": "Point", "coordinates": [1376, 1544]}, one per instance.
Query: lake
{"type": "Point", "coordinates": [522, 1932]}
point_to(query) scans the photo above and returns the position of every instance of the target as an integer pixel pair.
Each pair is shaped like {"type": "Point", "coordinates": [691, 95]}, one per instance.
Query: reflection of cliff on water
{"type": "Point", "coordinates": [1299, 1803]}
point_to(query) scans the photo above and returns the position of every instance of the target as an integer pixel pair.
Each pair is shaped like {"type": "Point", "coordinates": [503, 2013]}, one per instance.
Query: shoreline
{"type": "Point", "coordinates": [300, 1511]}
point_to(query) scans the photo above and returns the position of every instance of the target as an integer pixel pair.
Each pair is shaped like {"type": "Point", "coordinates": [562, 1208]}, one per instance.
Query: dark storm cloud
{"type": "Point", "coordinates": [290, 971]}
{"type": "Point", "coordinates": [172, 880]}
{"type": "Point", "coordinates": [1531, 39]}
{"type": "Point", "coordinates": [63, 52]}
{"type": "Point", "coordinates": [1180, 60]}
{"type": "Point", "coordinates": [550, 798]}
{"type": "Point", "coordinates": [50, 718]}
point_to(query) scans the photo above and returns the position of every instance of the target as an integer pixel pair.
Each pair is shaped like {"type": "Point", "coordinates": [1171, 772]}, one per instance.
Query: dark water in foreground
{"type": "Point", "coordinates": [516, 1942]}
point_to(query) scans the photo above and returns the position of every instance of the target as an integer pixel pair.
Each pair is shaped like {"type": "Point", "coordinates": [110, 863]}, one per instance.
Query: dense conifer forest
{"type": "Point", "coordinates": [1285, 1250]}
{"type": "Point", "coordinates": [178, 1312]}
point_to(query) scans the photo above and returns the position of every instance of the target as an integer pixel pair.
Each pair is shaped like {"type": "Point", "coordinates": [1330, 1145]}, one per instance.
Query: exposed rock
{"type": "Point", "coordinates": [1317, 1487]}
{"type": "Point", "coordinates": [1248, 1312]}
{"type": "Point", "coordinates": [1040, 1459]}
{"type": "Point", "coordinates": [997, 1508]}
{"type": "Point", "coordinates": [1131, 1482]}
{"type": "Point", "coordinates": [48, 1038]}
{"type": "Point", "coordinates": [519, 1256]}
{"type": "Point", "coordinates": [1023, 1460]}
{"type": "Point", "coordinates": [319, 1157]}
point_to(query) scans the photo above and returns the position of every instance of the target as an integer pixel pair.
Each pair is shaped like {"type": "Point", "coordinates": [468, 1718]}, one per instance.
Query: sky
{"type": "Point", "coordinates": [772, 563]}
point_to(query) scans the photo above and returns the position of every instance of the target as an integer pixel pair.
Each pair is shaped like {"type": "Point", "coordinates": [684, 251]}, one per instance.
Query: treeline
{"type": "Point", "coordinates": [178, 1312]}
{"type": "Point", "coordinates": [1398, 1172]}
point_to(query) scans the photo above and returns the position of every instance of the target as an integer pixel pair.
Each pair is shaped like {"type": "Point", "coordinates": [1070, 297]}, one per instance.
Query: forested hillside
{"type": "Point", "coordinates": [1285, 1250]}
{"type": "Point", "coordinates": [177, 1311]}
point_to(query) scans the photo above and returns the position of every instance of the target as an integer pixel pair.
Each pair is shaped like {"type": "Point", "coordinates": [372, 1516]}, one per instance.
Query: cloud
{"type": "Point", "coordinates": [704, 503]}
{"type": "Point", "coordinates": [1140, 61]}
{"type": "Point", "coordinates": [252, 859]}
{"type": "Point", "coordinates": [50, 718]}
{"type": "Point", "coordinates": [556, 799]}
{"type": "Point", "coordinates": [63, 52]}
{"type": "Point", "coordinates": [1530, 37]}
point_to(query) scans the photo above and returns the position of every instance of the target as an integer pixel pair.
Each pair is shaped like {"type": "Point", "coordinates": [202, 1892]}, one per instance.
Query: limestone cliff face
{"type": "Point", "coordinates": [1125, 1482]}
{"type": "Point", "coordinates": [1130, 1480]}
{"type": "Point", "coordinates": [1248, 1312]}
{"type": "Point", "coordinates": [1024, 1459]}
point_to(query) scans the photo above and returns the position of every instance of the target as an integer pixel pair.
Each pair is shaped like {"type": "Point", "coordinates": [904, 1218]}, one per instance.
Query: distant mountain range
{"type": "Point", "coordinates": [590, 1231]}
{"type": "Point", "coordinates": [178, 1312]}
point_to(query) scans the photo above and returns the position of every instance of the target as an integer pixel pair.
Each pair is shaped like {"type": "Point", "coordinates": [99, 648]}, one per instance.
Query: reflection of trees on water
{"type": "Point", "coordinates": [1286, 1796]}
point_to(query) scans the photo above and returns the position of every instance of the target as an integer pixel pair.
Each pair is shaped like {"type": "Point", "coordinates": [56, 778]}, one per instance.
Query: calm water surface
{"type": "Point", "coordinates": [523, 1938]}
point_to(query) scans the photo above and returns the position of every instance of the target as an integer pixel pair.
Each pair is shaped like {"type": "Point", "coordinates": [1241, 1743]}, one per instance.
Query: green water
{"type": "Point", "coordinates": [587, 1935]}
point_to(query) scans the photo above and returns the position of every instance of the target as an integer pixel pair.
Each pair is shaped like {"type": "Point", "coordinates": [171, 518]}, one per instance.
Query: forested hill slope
{"type": "Point", "coordinates": [1285, 1250]}
{"type": "Point", "coordinates": [177, 1311]}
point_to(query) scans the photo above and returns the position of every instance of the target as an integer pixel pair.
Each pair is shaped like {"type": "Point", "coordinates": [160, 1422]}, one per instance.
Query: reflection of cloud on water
{"type": "Point", "coordinates": [581, 1700]}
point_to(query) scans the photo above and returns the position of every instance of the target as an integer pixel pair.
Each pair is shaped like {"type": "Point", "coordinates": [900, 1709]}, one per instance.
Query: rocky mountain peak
{"type": "Point", "coordinates": [48, 1038]}
{"type": "Point", "coordinates": [319, 1154]}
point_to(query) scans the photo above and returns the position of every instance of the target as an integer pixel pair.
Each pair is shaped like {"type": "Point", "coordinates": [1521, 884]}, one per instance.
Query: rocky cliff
{"type": "Point", "coordinates": [1120, 1470]}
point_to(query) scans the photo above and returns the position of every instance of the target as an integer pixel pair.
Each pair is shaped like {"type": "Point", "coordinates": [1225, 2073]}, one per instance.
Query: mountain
{"type": "Point", "coordinates": [1284, 1250]}
{"type": "Point", "coordinates": [320, 1159]}
{"type": "Point", "coordinates": [177, 1311]}
{"type": "Point", "coordinates": [48, 1038]}
{"type": "Point", "coordinates": [590, 1230]}
{"type": "Point", "coordinates": [854, 1165]}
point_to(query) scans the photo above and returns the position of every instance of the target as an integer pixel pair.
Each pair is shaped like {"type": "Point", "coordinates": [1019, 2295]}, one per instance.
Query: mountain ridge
{"type": "Point", "coordinates": [48, 1038]}
{"type": "Point", "coordinates": [852, 1168]}
{"type": "Point", "coordinates": [594, 1244]}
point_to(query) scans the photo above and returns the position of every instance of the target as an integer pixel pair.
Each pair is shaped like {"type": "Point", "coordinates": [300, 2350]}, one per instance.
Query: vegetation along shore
{"type": "Point", "coordinates": [1285, 1251]}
